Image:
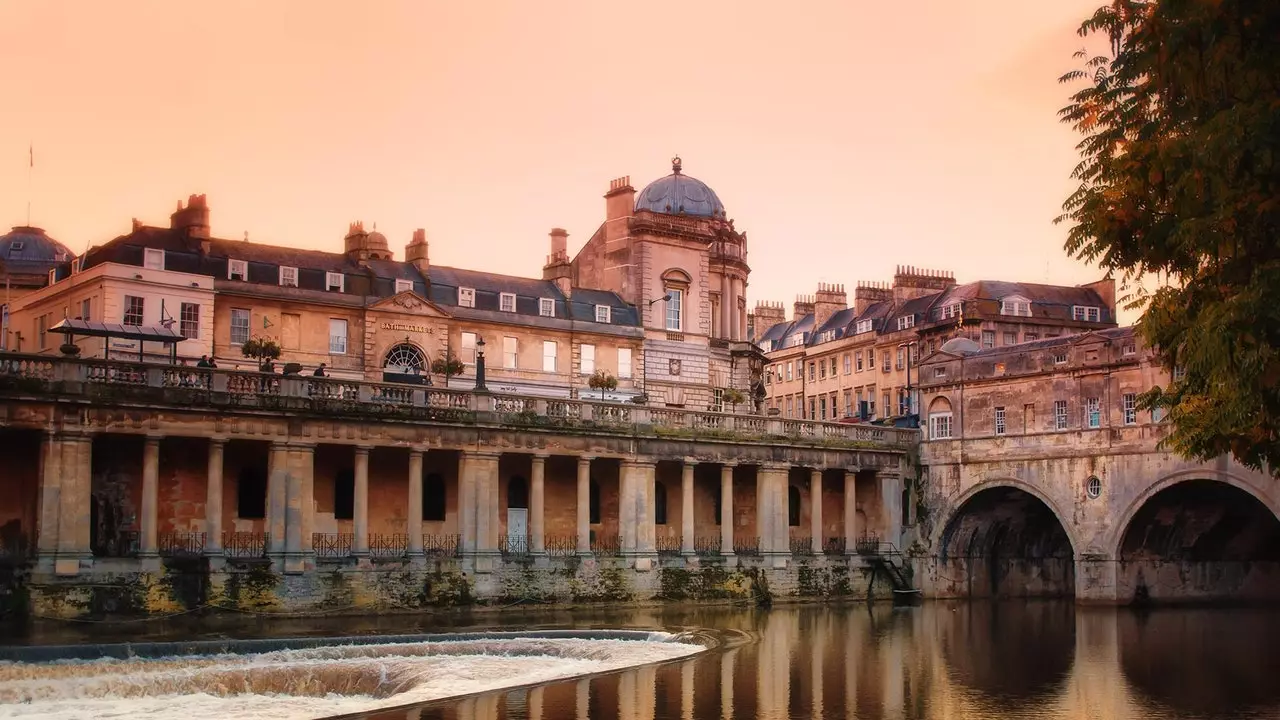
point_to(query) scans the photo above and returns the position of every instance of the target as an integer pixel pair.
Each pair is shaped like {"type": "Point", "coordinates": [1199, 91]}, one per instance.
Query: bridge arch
{"type": "Point", "coordinates": [1198, 534]}
{"type": "Point", "coordinates": [1005, 537]}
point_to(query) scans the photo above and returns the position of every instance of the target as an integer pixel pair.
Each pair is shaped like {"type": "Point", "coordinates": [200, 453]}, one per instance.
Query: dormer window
{"type": "Point", "coordinates": [76, 266]}
{"type": "Point", "coordinates": [288, 276]}
{"type": "Point", "coordinates": [16, 247]}
{"type": "Point", "coordinates": [906, 321]}
{"type": "Point", "coordinates": [335, 281]}
{"type": "Point", "coordinates": [862, 326]}
{"type": "Point", "coordinates": [1016, 306]}
{"type": "Point", "coordinates": [467, 297]}
{"type": "Point", "coordinates": [53, 276]}
{"type": "Point", "coordinates": [1060, 358]}
{"type": "Point", "coordinates": [404, 286]}
{"type": "Point", "coordinates": [949, 311]}
{"type": "Point", "coordinates": [507, 302]}
{"type": "Point", "coordinates": [1086, 313]}
{"type": "Point", "coordinates": [546, 307]}
{"type": "Point", "coordinates": [153, 259]}
{"type": "Point", "coordinates": [237, 270]}
{"type": "Point", "coordinates": [796, 339]}
{"type": "Point", "coordinates": [603, 313]}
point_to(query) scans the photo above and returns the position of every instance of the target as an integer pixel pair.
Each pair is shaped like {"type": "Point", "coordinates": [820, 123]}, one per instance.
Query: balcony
{"type": "Point", "coordinates": [40, 378]}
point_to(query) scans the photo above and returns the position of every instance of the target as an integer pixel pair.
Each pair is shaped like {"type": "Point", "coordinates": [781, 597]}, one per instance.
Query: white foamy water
{"type": "Point", "coordinates": [310, 683]}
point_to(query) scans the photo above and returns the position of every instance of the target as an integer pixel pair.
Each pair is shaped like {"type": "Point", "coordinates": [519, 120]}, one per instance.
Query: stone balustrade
{"type": "Point", "coordinates": [126, 382]}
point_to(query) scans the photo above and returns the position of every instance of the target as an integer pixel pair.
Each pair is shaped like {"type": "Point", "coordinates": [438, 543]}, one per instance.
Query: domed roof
{"type": "Point", "coordinates": [679, 194]}
{"type": "Point", "coordinates": [26, 245]}
{"type": "Point", "coordinates": [960, 346]}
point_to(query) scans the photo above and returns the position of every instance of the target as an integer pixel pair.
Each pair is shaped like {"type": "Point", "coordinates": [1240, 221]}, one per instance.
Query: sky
{"type": "Point", "coordinates": [845, 137]}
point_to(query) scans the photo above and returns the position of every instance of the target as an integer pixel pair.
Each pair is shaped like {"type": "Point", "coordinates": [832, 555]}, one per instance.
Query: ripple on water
{"type": "Point", "coordinates": [319, 681]}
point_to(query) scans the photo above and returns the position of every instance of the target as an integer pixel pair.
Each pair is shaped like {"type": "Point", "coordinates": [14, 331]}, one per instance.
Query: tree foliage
{"type": "Point", "coordinates": [601, 380]}
{"type": "Point", "coordinates": [261, 349]}
{"type": "Point", "coordinates": [1180, 181]}
{"type": "Point", "coordinates": [448, 366]}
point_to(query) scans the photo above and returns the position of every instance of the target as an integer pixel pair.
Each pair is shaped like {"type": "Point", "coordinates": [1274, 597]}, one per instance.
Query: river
{"type": "Point", "coordinates": [979, 661]}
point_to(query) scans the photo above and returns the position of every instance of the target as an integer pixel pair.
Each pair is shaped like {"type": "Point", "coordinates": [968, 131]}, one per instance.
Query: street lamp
{"type": "Point", "coordinates": [480, 365]}
{"type": "Point", "coordinates": [644, 367]}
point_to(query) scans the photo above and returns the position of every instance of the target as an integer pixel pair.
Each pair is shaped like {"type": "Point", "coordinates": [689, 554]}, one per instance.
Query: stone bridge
{"type": "Point", "coordinates": [1101, 514]}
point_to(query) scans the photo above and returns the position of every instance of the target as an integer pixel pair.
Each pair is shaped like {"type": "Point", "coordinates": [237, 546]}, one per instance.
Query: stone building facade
{"type": "Point", "coordinates": [836, 361]}
{"type": "Point", "coordinates": [1043, 475]}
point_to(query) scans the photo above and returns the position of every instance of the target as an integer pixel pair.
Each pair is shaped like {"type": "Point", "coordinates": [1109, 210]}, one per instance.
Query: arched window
{"type": "Point", "coordinates": [344, 495]}
{"type": "Point", "coordinates": [793, 506]}
{"type": "Point", "coordinates": [517, 493]}
{"type": "Point", "coordinates": [433, 497]}
{"type": "Point", "coordinates": [251, 494]}
{"type": "Point", "coordinates": [593, 503]}
{"type": "Point", "coordinates": [405, 358]}
{"type": "Point", "coordinates": [939, 418]}
{"type": "Point", "coordinates": [659, 504]}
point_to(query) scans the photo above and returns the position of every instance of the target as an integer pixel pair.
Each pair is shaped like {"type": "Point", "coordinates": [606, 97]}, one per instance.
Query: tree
{"type": "Point", "coordinates": [733, 397]}
{"type": "Point", "coordinates": [261, 349]}
{"type": "Point", "coordinates": [1180, 181]}
{"type": "Point", "coordinates": [601, 380]}
{"type": "Point", "coordinates": [448, 366]}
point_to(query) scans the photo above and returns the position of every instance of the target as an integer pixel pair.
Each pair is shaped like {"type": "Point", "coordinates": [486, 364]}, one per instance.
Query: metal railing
{"type": "Point", "coordinates": [561, 545]}
{"type": "Point", "coordinates": [181, 544]}
{"type": "Point", "coordinates": [801, 545]}
{"type": "Point", "coordinates": [833, 546]}
{"type": "Point", "coordinates": [514, 546]}
{"type": "Point", "coordinates": [119, 544]}
{"type": "Point", "coordinates": [746, 546]}
{"type": "Point", "coordinates": [216, 388]}
{"type": "Point", "coordinates": [607, 545]}
{"type": "Point", "coordinates": [668, 545]}
{"type": "Point", "coordinates": [441, 546]}
{"type": "Point", "coordinates": [392, 545]}
{"type": "Point", "coordinates": [245, 544]}
{"type": "Point", "coordinates": [709, 546]}
{"type": "Point", "coordinates": [332, 545]}
{"type": "Point", "coordinates": [867, 544]}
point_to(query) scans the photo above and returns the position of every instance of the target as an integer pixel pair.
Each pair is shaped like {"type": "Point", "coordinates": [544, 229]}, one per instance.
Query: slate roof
{"type": "Point", "coordinates": [376, 279]}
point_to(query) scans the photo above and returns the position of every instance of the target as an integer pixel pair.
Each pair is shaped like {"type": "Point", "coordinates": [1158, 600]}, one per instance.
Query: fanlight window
{"type": "Point", "coordinates": [405, 358]}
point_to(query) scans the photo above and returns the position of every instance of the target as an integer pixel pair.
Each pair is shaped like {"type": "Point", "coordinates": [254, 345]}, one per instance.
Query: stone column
{"type": "Point", "coordinates": [771, 509]}
{"type": "Point", "coordinates": [726, 510]}
{"type": "Point", "coordinates": [891, 501]}
{"type": "Point", "coordinates": [65, 500]}
{"type": "Point", "coordinates": [815, 510]}
{"type": "Point", "coordinates": [480, 480]}
{"type": "Point", "coordinates": [213, 498]}
{"type": "Point", "coordinates": [414, 525]}
{"type": "Point", "coordinates": [686, 509]}
{"type": "Point", "coordinates": [850, 512]}
{"type": "Point", "coordinates": [299, 506]}
{"type": "Point", "coordinates": [635, 509]}
{"type": "Point", "coordinates": [466, 507]}
{"type": "Point", "coordinates": [360, 507]}
{"type": "Point", "coordinates": [537, 504]}
{"type": "Point", "coordinates": [584, 506]}
{"type": "Point", "coordinates": [150, 497]}
{"type": "Point", "coordinates": [739, 317]}
{"type": "Point", "coordinates": [47, 541]}
{"type": "Point", "coordinates": [726, 303]}
{"type": "Point", "coordinates": [277, 478]}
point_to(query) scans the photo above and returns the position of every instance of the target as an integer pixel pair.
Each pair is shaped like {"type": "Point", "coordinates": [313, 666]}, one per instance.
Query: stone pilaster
{"type": "Point", "coordinates": [686, 509]}
{"type": "Point", "coordinates": [890, 484]}
{"type": "Point", "coordinates": [771, 511]}
{"type": "Point", "coordinates": [414, 524]}
{"type": "Point", "coordinates": [537, 504]}
{"type": "Point", "coordinates": [726, 510]}
{"type": "Point", "coordinates": [299, 508]}
{"type": "Point", "coordinates": [584, 506]}
{"type": "Point", "coordinates": [360, 505]}
{"type": "Point", "coordinates": [636, 511]}
{"type": "Point", "coordinates": [148, 546]}
{"type": "Point", "coordinates": [850, 512]}
{"type": "Point", "coordinates": [213, 498]}
{"type": "Point", "coordinates": [480, 492]}
{"type": "Point", "coordinates": [277, 480]}
{"type": "Point", "coordinates": [65, 500]}
{"type": "Point", "coordinates": [815, 510]}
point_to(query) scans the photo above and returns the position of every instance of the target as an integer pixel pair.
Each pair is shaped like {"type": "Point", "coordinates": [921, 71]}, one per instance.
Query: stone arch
{"type": "Point", "coordinates": [405, 357]}
{"type": "Point", "coordinates": [940, 529]}
{"type": "Point", "coordinates": [677, 276]}
{"type": "Point", "coordinates": [1117, 531]}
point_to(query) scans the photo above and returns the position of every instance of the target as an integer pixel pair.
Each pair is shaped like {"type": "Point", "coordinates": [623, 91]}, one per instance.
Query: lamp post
{"type": "Point", "coordinates": [480, 365]}
{"type": "Point", "coordinates": [644, 366]}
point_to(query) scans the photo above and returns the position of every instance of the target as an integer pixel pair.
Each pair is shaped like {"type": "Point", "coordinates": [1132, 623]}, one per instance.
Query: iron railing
{"type": "Point", "coordinates": [607, 545]}
{"type": "Point", "coordinates": [746, 546]}
{"type": "Point", "coordinates": [390, 545]}
{"type": "Point", "coordinates": [561, 545]}
{"type": "Point", "coordinates": [441, 546]}
{"type": "Point", "coordinates": [801, 545]}
{"type": "Point", "coordinates": [708, 546]}
{"type": "Point", "coordinates": [332, 545]}
{"type": "Point", "coordinates": [119, 544]}
{"type": "Point", "coordinates": [668, 545]}
{"type": "Point", "coordinates": [867, 544]}
{"type": "Point", "coordinates": [833, 546]}
{"type": "Point", "coordinates": [181, 544]}
{"type": "Point", "coordinates": [514, 546]}
{"type": "Point", "coordinates": [245, 544]}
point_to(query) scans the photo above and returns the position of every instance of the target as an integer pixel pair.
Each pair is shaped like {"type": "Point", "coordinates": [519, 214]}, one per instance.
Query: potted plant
{"type": "Point", "coordinates": [448, 366]}
{"type": "Point", "coordinates": [264, 350]}
{"type": "Point", "coordinates": [733, 397]}
{"type": "Point", "coordinates": [601, 380]}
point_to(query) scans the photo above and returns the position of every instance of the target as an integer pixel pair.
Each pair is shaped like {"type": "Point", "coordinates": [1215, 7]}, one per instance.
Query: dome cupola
{"type": "Point", "coordinates": [680, 194]}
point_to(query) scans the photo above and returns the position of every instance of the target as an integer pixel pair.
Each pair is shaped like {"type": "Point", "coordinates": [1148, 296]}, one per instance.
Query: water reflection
{"type": "Point", "coordinates": [980, 661]}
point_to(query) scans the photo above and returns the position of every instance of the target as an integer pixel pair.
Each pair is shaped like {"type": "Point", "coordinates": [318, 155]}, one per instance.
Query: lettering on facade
{"type": "Point", "coordinates": [407, 327]}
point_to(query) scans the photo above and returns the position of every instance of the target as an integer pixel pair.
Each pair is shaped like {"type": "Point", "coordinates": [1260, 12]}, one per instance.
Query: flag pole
{"type": "Point", "coordinates": [31, 165]}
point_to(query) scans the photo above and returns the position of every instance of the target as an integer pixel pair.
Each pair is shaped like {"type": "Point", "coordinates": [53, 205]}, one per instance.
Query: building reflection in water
{"type": "Point", "coordinates": [977, 661]}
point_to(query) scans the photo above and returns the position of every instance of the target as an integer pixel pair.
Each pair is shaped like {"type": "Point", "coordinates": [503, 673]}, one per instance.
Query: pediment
{"type": "Point", "coordinates": [410, 303]}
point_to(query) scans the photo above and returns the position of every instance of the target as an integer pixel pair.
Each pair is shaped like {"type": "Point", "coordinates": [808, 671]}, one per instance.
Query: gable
{"type": "Point", "coordinates": [411, 303]}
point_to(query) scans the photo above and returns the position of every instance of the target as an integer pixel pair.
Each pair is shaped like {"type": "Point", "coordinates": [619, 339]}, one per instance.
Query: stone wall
{"type": "Point", "coordinates": [345, 587]}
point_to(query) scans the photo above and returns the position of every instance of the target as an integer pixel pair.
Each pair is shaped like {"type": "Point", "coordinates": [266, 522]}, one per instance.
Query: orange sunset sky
{"type": "Point", "coordinates": [845, 137]}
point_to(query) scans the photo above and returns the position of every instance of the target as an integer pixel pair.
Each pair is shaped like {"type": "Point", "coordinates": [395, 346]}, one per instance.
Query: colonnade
{"type": "Point", "coordinates": [289, 522]}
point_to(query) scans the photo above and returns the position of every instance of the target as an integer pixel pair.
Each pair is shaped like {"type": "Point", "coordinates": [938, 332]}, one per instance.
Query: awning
{"type": "Point", "coordinates": [89, 328]}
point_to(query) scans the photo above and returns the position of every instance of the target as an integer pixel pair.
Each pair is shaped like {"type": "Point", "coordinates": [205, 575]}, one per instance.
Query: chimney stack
{"type": "Point", "coordinates": [867, 294]}
{"type": "Point", "coordinates": [558, 268]}
{"type": "Point", "coordinates": [415, 253]}
{"type": "Point", "coordinates": [767, 314]}
{"type": "Point", "coordinates": [194, 218]}
{"type": "Point", "coordinates": [911, 282]}
{"type": "Point", "coordinates": [829, 300]}
{"type": "Point", "coordinates": [803, 306]}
